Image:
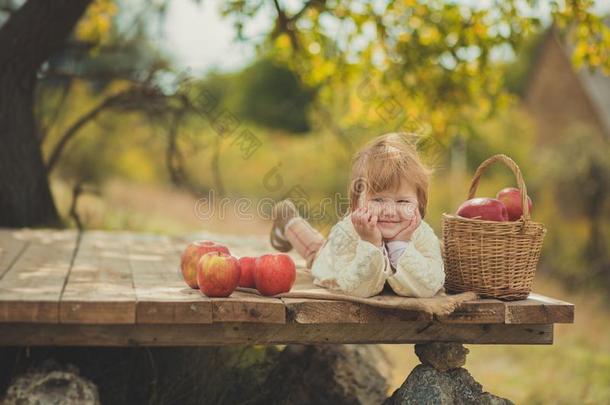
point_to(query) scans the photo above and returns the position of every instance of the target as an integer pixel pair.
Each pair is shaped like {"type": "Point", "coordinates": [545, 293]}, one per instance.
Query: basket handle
{"type": "Point", "coordinates": [516, 171]}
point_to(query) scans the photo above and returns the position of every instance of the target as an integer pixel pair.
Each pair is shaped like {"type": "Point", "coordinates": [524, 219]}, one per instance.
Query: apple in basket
{"type": "Point", "coordinates": [192, 254]}
{"type": "Point", "coordinates": [489, 209]}
{"type": "Point", "coordinates": [217, 274]}
{"type": "Point", "coordinates": [275, 273]}
{"type": "Point", "coordinates": [511, 197]}
{"type": "Point", "coordinates": [247, 265]}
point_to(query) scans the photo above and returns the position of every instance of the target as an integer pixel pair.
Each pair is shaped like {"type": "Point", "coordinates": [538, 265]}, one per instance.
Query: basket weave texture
{"type": "Point", "coordinates": [493, 259]}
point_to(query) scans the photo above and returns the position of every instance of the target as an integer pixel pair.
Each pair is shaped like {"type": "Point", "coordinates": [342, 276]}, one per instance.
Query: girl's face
{"type": "Point", "coordinates": [394, 208]}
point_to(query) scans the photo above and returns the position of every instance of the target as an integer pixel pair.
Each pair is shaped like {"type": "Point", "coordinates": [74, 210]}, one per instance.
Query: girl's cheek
{"type": "Point", "coordinates": [409, 211]}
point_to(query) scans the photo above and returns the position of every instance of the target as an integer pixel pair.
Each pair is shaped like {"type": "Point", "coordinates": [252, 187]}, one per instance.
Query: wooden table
{"type": "Point", "coordinates": [122, 289]}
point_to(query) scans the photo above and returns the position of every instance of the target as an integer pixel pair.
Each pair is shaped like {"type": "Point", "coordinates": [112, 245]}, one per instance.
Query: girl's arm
{"type": "Point", "coordinates": [419, 264]}
{"type": "Point", "coordinates": [350, 264]}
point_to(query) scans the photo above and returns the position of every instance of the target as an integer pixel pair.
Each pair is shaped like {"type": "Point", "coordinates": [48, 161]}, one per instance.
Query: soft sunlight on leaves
{"type": "Point", "coordinates": [95, 26]}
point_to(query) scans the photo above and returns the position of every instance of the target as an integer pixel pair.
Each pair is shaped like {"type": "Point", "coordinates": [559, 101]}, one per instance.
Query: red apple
{"type": "Point", "coordinates": [274, 274]}
{"type": "Point", "coordinates": [511, 197]}
{"type": "Point", "coordinates": [217, 274]}
{"type": "Point", "coordinates": [247, 265]}
{"type": "Point", "coordinates": [192, 254]}
{"type": "Point", "coordinates": [489, 209]}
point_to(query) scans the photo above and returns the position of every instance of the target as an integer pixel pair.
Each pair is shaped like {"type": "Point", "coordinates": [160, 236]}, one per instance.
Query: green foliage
{"type": "Point", "coordinates": [576, 171]}
{"type": "Point", "coordinates": [588, 33]}
{"type": "Point", "coordinates": [265, 93]}
{"type": "Point", "coordinates": [271, 94]}
{"type": "Point", "coordinates": [112, 41]}
{"type": "Point", "coordinates": [579, 168]}
{"type": "Point", "coordinates": [518, 70]}
{"type": "Point", "coordinates": [438, 60]}
{"type": "Point", "coordinates": [509, 132]}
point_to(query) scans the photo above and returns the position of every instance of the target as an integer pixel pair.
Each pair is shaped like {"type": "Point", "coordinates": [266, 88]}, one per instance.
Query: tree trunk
{"type": "Point", "coordinates": [27, 39]}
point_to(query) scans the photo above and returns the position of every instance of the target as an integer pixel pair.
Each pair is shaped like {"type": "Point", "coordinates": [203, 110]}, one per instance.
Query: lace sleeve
{"type": "Point", "coordinates": [351, 265]}
{"type": "Point", "coordinates": [419, 271]}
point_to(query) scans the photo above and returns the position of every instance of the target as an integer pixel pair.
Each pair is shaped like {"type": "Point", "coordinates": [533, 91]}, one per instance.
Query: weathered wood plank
{"type": "Point", "coordinates": [486, 310]}
{"type": "Point", "coordinates": [99, 288]}
{"type": "Point", "coordinates": [245, 307]}
{"type": "Point", "coordinates": [536, 310]}
{"type": "Point", "coordinates": [539, 309]}
{"type": "Point", "coordinates": [161, 293]}
{"type": "Point", "coordinates": [230, 333]}
{"type": "Point", "coordinates": [312, 311]}
{"type": "Point", "coordinates": [544, 298]}
{"type": "Point", "coordinates": [12, 245]}
{"type": "Point", "coordinates": [30, 290]}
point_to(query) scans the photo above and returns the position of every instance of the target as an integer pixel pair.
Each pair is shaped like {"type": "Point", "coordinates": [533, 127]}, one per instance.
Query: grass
{"type": "Point", "coordinates": [124, 205]}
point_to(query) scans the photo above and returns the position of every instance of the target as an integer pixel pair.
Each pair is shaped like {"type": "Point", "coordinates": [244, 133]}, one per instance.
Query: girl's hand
{"type": "Point", "coordinates": [365, 222]}
{"type": "Point", "coordinates": [412, 219]}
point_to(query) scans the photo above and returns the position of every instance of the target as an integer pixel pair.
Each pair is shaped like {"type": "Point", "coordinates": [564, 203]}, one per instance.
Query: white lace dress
{"type": "Point", "coordinates": [353, 266]}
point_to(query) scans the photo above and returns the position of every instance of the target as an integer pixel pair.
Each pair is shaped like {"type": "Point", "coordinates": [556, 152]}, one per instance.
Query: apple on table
{"type": "Point", "coordinates": [274, 273]}
{"type": "Point", "coordinates": [247, 265]}
{"type": "Point", "coordinates": [218, 274]}
{"type": "Point", "coordinates": [191, 255]}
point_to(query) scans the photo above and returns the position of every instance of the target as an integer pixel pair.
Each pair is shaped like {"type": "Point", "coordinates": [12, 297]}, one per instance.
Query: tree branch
{"type": "Point", "coordinates": [45, 128]}
{"type": "Point", "coordinates": [308, 4]}
{"type": "Point", "coordinates": [174, 160]}
{"type": "Point", "coordinates": [37, 30]}
{"type": "Point", "coordinates": [286, 25]}
{"type": "Point", "coordinates": [173, 157]}
{"type": "Point", "coordinates": [78, 124]}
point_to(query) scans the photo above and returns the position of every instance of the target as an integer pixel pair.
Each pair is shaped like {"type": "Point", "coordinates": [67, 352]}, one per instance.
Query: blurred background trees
{"type": "Point", "coordinates": [108, 104]}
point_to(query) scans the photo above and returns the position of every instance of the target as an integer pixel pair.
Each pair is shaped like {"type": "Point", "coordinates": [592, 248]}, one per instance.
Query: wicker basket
{"type": "Point", "coordinates": [493, 259]}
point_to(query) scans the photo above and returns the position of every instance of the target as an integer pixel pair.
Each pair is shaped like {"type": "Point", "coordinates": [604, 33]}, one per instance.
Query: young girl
{"type": "Point", "coordinates": [383, 238]}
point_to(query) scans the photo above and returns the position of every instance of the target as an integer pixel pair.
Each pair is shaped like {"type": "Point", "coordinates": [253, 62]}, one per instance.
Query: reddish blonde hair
{"type": "Point", "coordinates": [383, 163]}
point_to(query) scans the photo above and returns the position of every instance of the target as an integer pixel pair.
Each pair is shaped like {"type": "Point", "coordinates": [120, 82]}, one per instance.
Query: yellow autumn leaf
{"type": "Point", "coordinates": [95, 26]}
